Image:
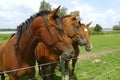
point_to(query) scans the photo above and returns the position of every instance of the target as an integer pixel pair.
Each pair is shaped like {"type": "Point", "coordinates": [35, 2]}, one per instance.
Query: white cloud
{"type": "Point", "coordinates": [110, 11]}
{"type": "Point", "coordinates": [106, 19]}
{"type": "Point", "coordinates": [88, 13]}
{"type": "Point", "coordinates": [13, 12]}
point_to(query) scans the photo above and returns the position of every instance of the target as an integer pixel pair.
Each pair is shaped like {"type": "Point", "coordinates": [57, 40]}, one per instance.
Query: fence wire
{"type": "Point", "coordinates": [99, 77]}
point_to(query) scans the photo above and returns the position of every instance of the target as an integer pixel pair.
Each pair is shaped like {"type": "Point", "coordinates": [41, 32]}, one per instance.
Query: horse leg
{"type": "Point", "coordinates": [67, 70]}
{"type": "Point", "coordinates": [44, 73]}
{"type": "Point", "coordinates": [2, 76]}
{"type": "Point", "coordinates": [53, 66]}
{"type": "Point", "coordinates": [73, 67]}
{"type": "Point", "coordinates": [32, 74]}
{"type": "Point", "coordinates": [12, 77]}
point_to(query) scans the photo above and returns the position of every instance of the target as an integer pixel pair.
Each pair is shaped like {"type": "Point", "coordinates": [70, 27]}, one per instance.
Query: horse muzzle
{"type": "Point", "coordinates": [82, 42]}
{"type": "Point", "coordinates": [88, 47]}
{"type": "Point", "coordinates": [67, 55]}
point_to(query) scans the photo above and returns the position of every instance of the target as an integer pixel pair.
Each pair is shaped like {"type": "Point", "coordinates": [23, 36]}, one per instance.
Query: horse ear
{"type": "Point", "coordinates": [80, 23]}
{"type": "Point", "coordinates": [74, 15]}
{"type": "Point", "coordinates": [89, 24]}
{"type": "Point", "coordinates": [54, 12]}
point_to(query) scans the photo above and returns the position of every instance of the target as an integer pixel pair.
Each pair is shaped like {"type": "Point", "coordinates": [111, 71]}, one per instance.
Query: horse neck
{"type": "Point", "coordinates": [26, 47]}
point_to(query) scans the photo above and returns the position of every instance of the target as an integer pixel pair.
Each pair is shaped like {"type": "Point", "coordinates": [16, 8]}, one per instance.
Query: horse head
{"type": "Point", "coordinates": [52, 33]}
{"type": "Point", "coordinates": [85, 40]}
{"type": "Point", "coordinates": [71, 25]}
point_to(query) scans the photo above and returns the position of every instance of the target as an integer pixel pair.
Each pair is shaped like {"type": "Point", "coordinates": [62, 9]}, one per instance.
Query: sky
{"type": "Point", "coordinates": [103, 12]}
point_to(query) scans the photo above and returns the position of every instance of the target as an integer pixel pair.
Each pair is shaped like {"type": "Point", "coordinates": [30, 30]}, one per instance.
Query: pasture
{"type": "Point", "coordinates": [102, 63]}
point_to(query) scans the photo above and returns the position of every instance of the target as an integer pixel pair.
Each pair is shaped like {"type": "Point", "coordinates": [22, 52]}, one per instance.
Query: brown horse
{"type": "Point", "coordinates": [46, 54]}
{"type": "Point", "coordinates": [88, 46]}
{"type": "Point", "coordinates": [2, 74]}
{"type": "Point", "coordinates": [18, 51]}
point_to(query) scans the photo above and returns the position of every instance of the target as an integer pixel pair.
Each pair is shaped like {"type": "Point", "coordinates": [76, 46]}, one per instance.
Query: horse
{"type": "Point", "coordinates": [2, 74]}
{"type": "Point", "coordinates": [45, 54]}
{"type": "Point", "coordinates": [88, 46]}
{"type": "Point", "coordinates": [17, 53]}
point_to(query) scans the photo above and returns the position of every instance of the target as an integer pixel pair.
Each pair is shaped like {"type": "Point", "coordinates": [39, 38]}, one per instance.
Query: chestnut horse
{"type": "Point", "coordinates": [18, 51]}
{"type": "Point", "coordinates": [45, 54]}
{"type": "Point", "coordinates": [2, 74]}
{"type": "Point", "coordinates": [88, 46]}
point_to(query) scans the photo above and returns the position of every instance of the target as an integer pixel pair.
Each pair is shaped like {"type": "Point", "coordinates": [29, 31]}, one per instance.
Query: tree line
{"type": "Point", "coordinates": [7, 29]}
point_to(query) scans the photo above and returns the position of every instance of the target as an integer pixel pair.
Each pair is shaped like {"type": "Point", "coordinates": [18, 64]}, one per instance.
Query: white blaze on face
{"type": "Point", "coordinates": [85, 30]}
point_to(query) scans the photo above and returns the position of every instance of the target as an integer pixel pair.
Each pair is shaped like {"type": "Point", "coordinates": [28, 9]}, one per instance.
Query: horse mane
{"type": "Point", "coordinates": [23, 27]}
{"type": "Point", "coordinates": [12, 35]}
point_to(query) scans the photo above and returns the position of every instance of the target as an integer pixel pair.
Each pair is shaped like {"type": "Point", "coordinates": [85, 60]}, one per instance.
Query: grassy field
{"type": "Point", "coordinates": [4, 37]}
{"type": "Point", "coordinates": [104, 42]}
{"type": "Point", "coordinates": [104, 66]}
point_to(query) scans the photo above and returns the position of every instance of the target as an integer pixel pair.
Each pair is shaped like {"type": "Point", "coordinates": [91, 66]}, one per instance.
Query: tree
{"type": "Point", "coordinates": [78, 16]}
{"type": "Point", "coordinates": [45, 6]}
{"type": "Point", "coordinates": [98, 28]}
{"type": "Point", "coordinates": [62, 12]}
{"type": "Point", "coordinates": [116, 27]}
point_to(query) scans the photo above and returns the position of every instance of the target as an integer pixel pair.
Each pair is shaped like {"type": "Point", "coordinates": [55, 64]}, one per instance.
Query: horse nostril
{"type": "Point", "coordinates": [82, 42]}
{"type": "Point", "coordinates": [88, 47]}
{"type": "Point", "coordinates": [72, 52]}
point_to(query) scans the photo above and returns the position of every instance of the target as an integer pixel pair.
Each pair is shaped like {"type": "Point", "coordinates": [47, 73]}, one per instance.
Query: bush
{"type": "Point", "coordinates": [116, 27]}
{"type": "Point", "coordinates": [98, 28]}
{"type": "Point", "coordinates": [96, 33]}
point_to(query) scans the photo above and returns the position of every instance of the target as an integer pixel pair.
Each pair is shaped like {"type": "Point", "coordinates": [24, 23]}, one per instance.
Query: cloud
{"type": "Point", "coordinates": [81, 7]}
{"type": "Point", "coordinates": [106, 18]}
{"type": "Point", "coordinates": [14, 12]}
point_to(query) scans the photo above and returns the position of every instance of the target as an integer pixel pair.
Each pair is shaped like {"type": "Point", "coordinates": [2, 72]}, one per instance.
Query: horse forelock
{"type": "Point", "coordinates": [85, 28]}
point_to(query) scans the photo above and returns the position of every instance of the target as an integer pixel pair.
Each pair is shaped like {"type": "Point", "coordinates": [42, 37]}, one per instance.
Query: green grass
{"type": "Point", "coordinates": [86, 70]}
{"type": "Point", "coordinates": [108, 68]}
{"type": "Point", "coordinates": [99, 42]}
{"type": "Point", "coordinates": [104, 42]}
{"type": "Point", "coordinates": [4, 37]}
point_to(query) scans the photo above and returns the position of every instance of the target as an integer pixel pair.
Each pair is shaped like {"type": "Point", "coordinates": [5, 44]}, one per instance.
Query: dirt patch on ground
{"type": "Point", "coordinates": [89, 55]}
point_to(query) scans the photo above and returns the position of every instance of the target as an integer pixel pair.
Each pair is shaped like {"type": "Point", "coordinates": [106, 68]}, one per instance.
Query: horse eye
{"type": "Point", "coordinates": [59, 30]}
{"type": "Point", "coordinates": [78, 27]}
